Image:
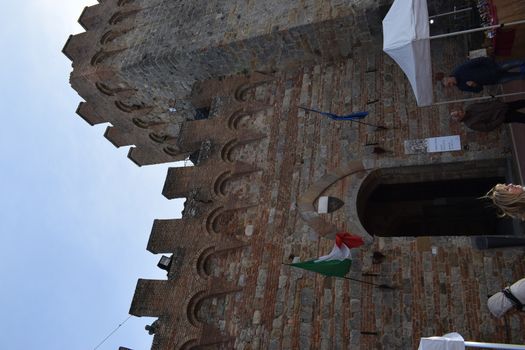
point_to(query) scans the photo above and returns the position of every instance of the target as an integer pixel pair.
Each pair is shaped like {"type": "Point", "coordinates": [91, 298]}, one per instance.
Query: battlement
{"type": "Point", "coordinates": [210, 180]}
{"type": "Point", "coordinates": [179, 299]}
{"type": "Point", "coordinates": [220, 83]}
{"type": "Point", "coordinates": [138, 81]}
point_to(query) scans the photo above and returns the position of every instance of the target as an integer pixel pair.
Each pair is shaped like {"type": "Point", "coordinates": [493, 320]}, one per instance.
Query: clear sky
{"type": "Point", "coordinates": [75, 213]}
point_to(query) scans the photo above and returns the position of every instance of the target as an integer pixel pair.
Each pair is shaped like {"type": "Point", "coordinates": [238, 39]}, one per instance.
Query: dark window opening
{"type": "Point", "coordinates": [194, 157]}
{"type": "Point", "coordinates": [432, 208]}
{"type": "Point", "coordinates": [433, 200]}
{"type": "Point", "coordinates": [202, 113]}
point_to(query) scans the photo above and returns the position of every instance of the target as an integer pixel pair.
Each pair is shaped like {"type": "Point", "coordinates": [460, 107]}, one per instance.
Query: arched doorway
{"type": "Point", "coordinates": [432, 200]}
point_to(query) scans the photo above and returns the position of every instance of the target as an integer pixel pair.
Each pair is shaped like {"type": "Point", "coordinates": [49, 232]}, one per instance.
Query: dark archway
{"type": "Point", "coordinates": [432, 200]}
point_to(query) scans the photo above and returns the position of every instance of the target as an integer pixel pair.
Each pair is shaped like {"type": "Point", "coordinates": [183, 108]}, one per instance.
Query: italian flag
{"type": "Point", "coordinates": [338, 262]}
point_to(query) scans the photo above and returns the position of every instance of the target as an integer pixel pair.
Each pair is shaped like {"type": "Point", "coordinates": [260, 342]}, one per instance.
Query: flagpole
{"type": "Point", "coordinates": [350, 120]}
{"type": "Point", "coordinates": [381, 286]}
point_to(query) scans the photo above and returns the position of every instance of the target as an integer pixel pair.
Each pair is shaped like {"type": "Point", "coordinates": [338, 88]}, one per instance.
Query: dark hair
{"type": "Point", "coordinates": [439, 76]}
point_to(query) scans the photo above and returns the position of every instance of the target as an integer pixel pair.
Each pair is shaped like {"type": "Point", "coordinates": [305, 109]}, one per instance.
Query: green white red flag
{"type": "Point", "coordinates": [338, 262]}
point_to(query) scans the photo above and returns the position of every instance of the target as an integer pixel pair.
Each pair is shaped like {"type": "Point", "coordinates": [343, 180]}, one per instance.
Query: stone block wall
{"type": "Point", "coordinates": [261, 163]}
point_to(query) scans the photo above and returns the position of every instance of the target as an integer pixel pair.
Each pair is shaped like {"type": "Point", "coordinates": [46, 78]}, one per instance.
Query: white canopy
{"type": "Point", "coordinates": [454, 341]}
{"type": "Point", "coordinates": [450, 341]}
{"type": "Point", "coordinates": [406, 40]}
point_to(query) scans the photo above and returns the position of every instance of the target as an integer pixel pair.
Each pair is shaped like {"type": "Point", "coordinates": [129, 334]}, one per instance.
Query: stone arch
{"type": "Point", "coordinates": [211, 220]}
{"type": "Point", "coordinates": [218, 184]}
{"type": "Point", "coordinates": [174, 151]}
{"type": "Point", "coordinates": [110, 91]}
{"type": "Point", "coordinates": [195, 303]}
{"type": "Point", "coordinates": [227, 149]}
{"type": "Point", "coordinates": [146, 124]}
{"type": "Point", "coordinates": [124, 2]}
{"type": "Point", "coordinates": [103, 55]}
{"type": "Point", "coordinates": [120, 16]}
{"type": "Point", "coordinates": [103, 88]}
{"type": "Point", "coordinates": [306, 207]}
{"type": "Point", "coordinates": [224, 179]}
{"type": "Point", "coordinates": [111, 35]}
{"type": "Point", "coordinates": [431, 200]}
{"type": "Point", "coordinates": [235, 144]}
{"type": "Point", "coordinates": [129, 108]}
{"type": "Point", "coordinates": [160, 137]}
{"type": "Point", "coordinates": [235, 118]}
{"type": "Point", "coordinates": [241, 92]}
{"type": "Point", "coordinates": [192, 307]}
{"type": "Point", "coordinates": [202, 258]}
{"type": "Point", "coordinates": [189, 345]}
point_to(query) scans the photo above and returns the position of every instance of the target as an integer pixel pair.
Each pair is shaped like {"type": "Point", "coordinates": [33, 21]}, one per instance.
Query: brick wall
{"type": "Point", "coordinates": [262, 163]}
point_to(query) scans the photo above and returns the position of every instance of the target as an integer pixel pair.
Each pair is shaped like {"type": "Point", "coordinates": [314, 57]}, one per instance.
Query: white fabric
{"type": "Point", "coordinates": [337, 253]}
{"type": "Point", "coordinates": [499, 304]}
{"type": "Point", "coordinates": [450, 341]}
{"type": "Point", "coordinates": [406, 40]}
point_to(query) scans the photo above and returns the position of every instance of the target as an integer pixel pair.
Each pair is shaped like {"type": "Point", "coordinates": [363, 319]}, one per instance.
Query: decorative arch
{"type": "Point", "coordinates": [103, 55]}
{"type": "Point", "coordinates": [235, 118]}
{"type": "Point", "coordinates": [211, 220]}
{"type": "Point", "coordinates": [193, 305]}
{"type": "Point", "coordinates": [120, 16]}
{"type": "Point", "coordinates": [124, 2]}
{"type": "Point", "coordinates": [242, 90]}
{"type": "Point", "coordinates": [110, 91]}
{"type": "Point", "coordinates": [106, 90]}
{"type": "Point", "coordinates": [129, 108]}
{"type": "Point", "coordinates": [173, 151]}
{"type": "Point", "coordinates": [111, 35]}
{"type": "Point", "coordinates": [160, 137]}
{"type": "Point", "coordinates": [146, 124]}
{"type": "Point", "coordinates": [189, 345]}
{"type": "Point", "coordinates": [227, 149]}
{"type": "Point", "coordinates": [306, 201]}
{"type": "Point", "coordinates": [196, 301]}
{"type": "Point", "coordinates": [218, 184]}
{"type": "Point", "coordinates": [201, 261]}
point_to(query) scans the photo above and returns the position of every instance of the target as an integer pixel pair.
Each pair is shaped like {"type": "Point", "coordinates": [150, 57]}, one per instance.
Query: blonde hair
{"type": "Point", "coordinates": [509, 204]}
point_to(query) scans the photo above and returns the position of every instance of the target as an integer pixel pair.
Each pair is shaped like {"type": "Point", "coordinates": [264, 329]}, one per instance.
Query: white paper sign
{"type": "Point", "coordinates": [433, 144]}
{"type": "Point", "coordinates": [322, 206]}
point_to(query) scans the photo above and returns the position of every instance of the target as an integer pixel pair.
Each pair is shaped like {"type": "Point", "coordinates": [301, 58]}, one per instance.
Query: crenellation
{"type": "Point", "coordinates": [87, 112]}
{"type": "Point", "coordinates": [221, 91]}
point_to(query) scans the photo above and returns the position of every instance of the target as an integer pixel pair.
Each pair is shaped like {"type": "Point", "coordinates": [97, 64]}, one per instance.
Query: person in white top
{"type": "Point", "coordinates": [508, 298]}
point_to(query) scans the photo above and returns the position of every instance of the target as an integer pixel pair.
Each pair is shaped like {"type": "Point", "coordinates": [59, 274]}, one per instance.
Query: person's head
{"type": "Point", "coordinates": [510, 200]}
{"type": "Point", "coordinates": [457, 115]}
{"type": "Point", "coordinates": [449, 81]}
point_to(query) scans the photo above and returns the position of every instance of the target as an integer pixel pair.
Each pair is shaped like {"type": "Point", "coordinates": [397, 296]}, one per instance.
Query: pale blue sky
{"type": "Point", "coordinates": [75, 213]}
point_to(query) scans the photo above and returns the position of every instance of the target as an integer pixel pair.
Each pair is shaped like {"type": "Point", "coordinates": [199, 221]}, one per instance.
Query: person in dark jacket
{"type": "Point", "coordinates": [473, 74]}
{"type": "Point", "coordinates": [487, 116]}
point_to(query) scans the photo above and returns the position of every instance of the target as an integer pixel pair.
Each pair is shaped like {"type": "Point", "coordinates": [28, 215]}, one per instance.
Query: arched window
{"type": "Point", "coordinates": [432, 200]}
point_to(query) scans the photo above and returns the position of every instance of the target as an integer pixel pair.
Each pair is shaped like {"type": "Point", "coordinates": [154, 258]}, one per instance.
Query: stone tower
{"type": "Point", "coordinates": [219, 83]}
